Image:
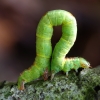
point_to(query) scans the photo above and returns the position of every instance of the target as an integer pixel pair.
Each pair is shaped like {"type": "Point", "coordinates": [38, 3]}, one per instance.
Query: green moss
{"type": "Point", "coordinates": [73, 87]}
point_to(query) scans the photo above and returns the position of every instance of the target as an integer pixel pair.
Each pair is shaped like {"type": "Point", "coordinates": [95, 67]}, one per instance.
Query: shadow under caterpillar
{"type": "Point", "coordinates": [42, 64]}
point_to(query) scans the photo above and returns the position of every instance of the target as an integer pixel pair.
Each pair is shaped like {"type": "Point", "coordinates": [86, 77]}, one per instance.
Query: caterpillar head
{"type": "Point", "coordinates": [84, 63]}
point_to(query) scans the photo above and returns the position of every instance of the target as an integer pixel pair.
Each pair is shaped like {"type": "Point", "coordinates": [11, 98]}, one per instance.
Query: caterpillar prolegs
{"type": "Point", "coordinates": [42, 64]}
{"type": "Point", "coordinates": [71, 63]}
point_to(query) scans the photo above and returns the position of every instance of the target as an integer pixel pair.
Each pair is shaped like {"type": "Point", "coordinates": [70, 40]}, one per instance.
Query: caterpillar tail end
{"type": "Point", "coordinates": [21, 83]}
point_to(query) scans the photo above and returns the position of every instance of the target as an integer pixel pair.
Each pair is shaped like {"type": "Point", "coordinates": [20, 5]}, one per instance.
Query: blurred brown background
{"type": "Point", "coordinates": [18, 23]}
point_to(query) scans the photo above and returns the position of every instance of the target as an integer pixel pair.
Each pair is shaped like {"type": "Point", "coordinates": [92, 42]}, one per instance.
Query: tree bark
{"type": "Point", "coordinates": [83, 85]}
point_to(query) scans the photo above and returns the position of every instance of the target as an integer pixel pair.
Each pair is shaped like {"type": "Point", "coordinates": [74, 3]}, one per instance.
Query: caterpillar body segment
{"type": "Point", "coordinates": [72, 63]}
{"type": "Point", "coordinates": [75, 63]}
{"type": "Point", "coordinates": [32, 73]}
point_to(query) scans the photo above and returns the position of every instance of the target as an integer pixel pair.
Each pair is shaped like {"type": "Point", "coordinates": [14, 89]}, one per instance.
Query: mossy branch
{"type": "Point", "coordinates": [80, 86]}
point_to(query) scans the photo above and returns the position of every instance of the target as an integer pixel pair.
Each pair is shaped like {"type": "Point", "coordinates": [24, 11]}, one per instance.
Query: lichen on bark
{"type": "Point", "coordinates": [80, 86]}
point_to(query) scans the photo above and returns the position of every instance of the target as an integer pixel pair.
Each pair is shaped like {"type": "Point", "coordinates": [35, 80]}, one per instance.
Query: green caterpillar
{"type": "Point", "coordinates": [42, 64]}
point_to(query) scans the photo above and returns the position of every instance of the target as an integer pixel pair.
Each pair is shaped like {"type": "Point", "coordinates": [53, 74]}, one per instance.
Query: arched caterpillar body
{"type": "Point", "coordinates": [44, 49]}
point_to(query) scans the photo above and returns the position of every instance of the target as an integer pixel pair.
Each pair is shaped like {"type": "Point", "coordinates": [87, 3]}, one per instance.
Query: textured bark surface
{"type": "Point", "coordinates": [84, 85]}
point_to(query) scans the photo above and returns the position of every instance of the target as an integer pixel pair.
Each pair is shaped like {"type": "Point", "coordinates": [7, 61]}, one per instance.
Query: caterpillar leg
{"type": "Point", "coordinates": [22, 87]}
{"type": "Point", "coordinates": [21, 84]}
{"type": "Point", "coordinates": [52, 75]}
{"type": "Point", "coordinates": [46, 74]}
{"type": "Point", "coordinates": [76, 70]}
{"type": "Point", "coordinates": [67, 74]}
